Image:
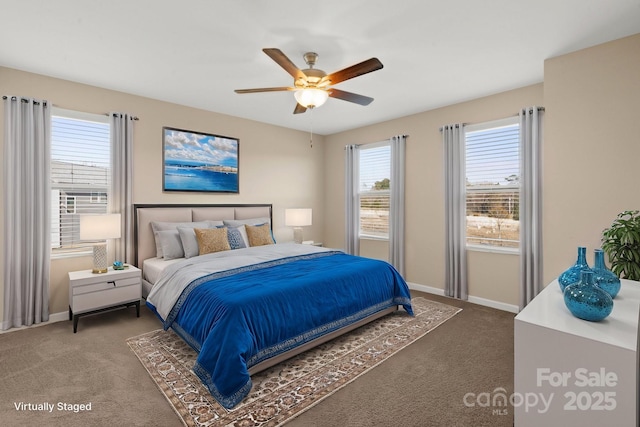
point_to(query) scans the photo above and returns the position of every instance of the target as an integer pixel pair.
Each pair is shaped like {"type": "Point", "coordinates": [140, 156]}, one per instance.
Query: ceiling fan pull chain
{"type": "Point", "coordinates": [311, 131]}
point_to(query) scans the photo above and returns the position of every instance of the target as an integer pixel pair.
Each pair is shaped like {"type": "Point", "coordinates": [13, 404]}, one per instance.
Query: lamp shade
{"type": "Point", "coordinates": [297, 217]}
{"type": "Point", "coordinates": [99, 227]}
{"type": "Point", "coordinates": [311, 98]}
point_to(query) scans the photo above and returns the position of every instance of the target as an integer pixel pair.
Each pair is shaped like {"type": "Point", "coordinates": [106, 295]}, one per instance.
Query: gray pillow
{"type": "Point", "coordinates": [161, 226]}
{"type": "Point", "coordinates": [189, 241]}
{"type": "Point", "coordinates": [171, 244]}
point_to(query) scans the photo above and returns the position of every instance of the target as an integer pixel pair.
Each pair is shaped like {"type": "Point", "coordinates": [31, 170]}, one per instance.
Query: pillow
{"type": "Point", "coordinates": [171, 244]}
{"type": "Point", "coordinates": [237, 237]}
{"type": "Point", "coordinates": [189, 241]}
{"type": "Point", "coordinates": [259, 235]}
{"type": "Point", "coordinates": [251, 221]}
{"type": "Point", "coordinates": [212, 240]}
{"type": "Point", "coordinates": [214, 224]}
{"type": "Point", "coordinates": [157, 226]}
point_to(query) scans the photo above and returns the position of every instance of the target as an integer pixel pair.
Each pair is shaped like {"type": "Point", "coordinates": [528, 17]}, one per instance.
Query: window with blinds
{"type": "Point", "coordinates": [493, 184]}
{"type": "Point", "coordinates": [375, 171]}
{"type": "Point", "coordinates": [80, 176]}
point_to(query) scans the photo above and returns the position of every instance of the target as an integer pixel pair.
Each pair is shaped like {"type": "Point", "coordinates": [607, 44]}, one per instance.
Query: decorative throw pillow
{"type": "Point", "coordinates": [259, 235]}
{"type": "Point", "coordinates": [237, 237]}
{"type": "Point", "coordinates": [171, 244]}
{"type": "Point", "coordinates": [212, 240]}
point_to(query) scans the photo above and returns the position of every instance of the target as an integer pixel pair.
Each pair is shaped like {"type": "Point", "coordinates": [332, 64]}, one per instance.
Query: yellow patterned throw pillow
{"type": "Point", "coordinates": [212, 240]}
{"type": "Point", "coordinates": [259, 235]}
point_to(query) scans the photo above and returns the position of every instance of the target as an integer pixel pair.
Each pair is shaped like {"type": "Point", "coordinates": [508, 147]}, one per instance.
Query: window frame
{"type": "Point", "coordinates": [361, 235]}
{"type": "Point", "coordinates": [508, 121]}
{"type": "Point", "coordinates": [56, 253]}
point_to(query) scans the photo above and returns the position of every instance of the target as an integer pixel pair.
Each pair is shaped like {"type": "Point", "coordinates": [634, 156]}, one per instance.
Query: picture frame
{"type": "Point", "coordinates": [199, 162]}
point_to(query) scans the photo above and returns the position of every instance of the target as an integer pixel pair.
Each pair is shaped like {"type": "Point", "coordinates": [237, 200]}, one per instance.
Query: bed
{"type": "Point", "coordinates": [244, 309]}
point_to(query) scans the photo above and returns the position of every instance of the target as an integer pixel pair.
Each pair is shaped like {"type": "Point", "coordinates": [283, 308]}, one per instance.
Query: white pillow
{"type": "Point", "coordinates": [171, 244]}
{"type": "Point", "coordinates": [189, 241]}
{"type": "Point", "coordinates": [251, 221]}
{"type": "Point", "coordinates": [161, 226]}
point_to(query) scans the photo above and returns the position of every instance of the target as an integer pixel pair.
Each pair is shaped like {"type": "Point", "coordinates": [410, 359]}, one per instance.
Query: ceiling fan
{"type": "Point", "coordinates": [313, 86]}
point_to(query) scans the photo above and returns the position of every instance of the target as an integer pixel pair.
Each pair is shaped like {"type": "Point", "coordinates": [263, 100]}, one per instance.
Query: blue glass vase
{"type": "Point", "coordinates": [572, 275]}
{"type": "Point", "coordinates": [587, 301]}
{"type": "Point", "coordinates": [605, 278]}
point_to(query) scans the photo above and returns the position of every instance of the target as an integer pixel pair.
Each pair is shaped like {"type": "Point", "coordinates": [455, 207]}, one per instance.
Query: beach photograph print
{"type": "Point", "coordinates": [199, 162]}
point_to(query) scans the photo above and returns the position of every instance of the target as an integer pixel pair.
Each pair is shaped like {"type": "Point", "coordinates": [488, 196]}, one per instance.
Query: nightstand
{"type": "Point", "coordinates": [91, 293]}
{"type": "Point", "coordinates": [312, 243]}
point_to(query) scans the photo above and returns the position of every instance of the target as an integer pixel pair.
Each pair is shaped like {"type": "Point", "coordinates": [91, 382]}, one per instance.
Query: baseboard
{"type": "Point", "coordinates": [53, 318]}
{"type": "Point", "coordinates": [476, 300]}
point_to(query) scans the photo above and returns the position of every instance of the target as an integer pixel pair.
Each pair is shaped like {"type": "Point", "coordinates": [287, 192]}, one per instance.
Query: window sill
{"type": "Point", "coordinates": [71, 254]}
{"type": "Point", "coordinates": [377, 238]}
{"type": "Point", "coordinates": [493, 249]}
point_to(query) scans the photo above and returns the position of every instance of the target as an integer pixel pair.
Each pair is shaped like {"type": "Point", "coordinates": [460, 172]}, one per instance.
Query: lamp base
{"type": "Point", "coordinates": [297, 234]}
{"type": "Point", "coordinates": [100, 259]}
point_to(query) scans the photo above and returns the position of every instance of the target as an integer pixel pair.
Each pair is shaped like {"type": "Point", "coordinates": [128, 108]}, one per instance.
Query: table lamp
{"type": "Point", "coordinates": [100, 227]}
{"type": "Point", "coordinates": [297, 218]}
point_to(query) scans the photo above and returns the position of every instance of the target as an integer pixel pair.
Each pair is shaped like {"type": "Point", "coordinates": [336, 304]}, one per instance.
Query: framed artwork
{"type": "Point", "coordinates": [195, 161]}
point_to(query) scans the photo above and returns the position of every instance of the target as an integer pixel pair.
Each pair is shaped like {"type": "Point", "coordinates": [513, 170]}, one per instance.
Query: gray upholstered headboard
{"type": "Point", "coordinates": [143, 215]}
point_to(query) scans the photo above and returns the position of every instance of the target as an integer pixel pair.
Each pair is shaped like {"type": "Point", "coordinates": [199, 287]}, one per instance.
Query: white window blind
{"type": "Point", "coordinates": [375, 171]}
{"type": "Point", "coordinates": [493, 184]}
{"type": "Point", "coordinates": [80, 176]}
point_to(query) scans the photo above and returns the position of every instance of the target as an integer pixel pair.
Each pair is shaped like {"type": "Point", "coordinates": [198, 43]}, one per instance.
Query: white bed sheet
{"type": "Point", "coordinates": [153, 268]}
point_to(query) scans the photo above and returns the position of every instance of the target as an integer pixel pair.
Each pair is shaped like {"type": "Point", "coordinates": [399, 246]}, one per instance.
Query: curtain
{"type": "Point", "coordinates": [352, 205]}
{"type": "Point", "coordinates": [27, 208]}
{"type": "Point", "coordinates": [396, 203]}
{"type": "Point", "coordinates": [455, 212]}
{"type": "Point", "coordinates": [122, 182]}
{"type": "Point", "coordinates": [530, 204]}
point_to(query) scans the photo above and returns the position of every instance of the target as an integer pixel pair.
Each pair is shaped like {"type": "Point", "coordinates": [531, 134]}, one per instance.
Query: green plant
{"type": "Point", "coordinates": [621, 243]}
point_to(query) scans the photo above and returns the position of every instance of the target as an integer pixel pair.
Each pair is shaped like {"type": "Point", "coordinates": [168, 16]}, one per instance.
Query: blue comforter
{"type": "Point", "coordinates": [238, 320]}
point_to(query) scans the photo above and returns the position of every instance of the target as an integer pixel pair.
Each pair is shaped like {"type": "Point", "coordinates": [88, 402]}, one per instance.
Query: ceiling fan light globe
{"type": "Point", "coordinates": [311, 98]}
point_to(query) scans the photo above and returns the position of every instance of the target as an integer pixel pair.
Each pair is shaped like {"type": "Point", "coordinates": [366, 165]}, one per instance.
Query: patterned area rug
{"type": "Point", "coordinates": [291, 387]}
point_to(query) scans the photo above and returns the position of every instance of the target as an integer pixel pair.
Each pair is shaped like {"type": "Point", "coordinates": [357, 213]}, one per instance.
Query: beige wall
{"type": "Point", "coordinates": [590, 167]}
{"type": "Point", "coordinates": [592, 147]}
{"type": "Point", "coordinates": [492, 276]}
{"type": "Point", "coordinates": [590, 156]}
{"type": "Point", "coordinates": [276, 164]}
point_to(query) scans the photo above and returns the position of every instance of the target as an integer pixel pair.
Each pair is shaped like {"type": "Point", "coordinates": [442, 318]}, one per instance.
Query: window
{"type": "Point", "coordinates": [493, 184]}
{"type": "Point", "coordinates": [80, 176]}
{"type": "Point", "coordinates": [373, 190]}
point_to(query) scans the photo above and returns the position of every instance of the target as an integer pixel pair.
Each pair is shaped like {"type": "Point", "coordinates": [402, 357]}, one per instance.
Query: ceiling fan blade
{"type": "Point", "coordinates": [349, 96]}
{"type": "Point", "coordinates": [299, 109]}
{"type": "Point", "coordinates": [283, 61]}
{"type": "Point", "coordinates": [264, 89]}
{"type": "Point", "coordinates": [363, 67]}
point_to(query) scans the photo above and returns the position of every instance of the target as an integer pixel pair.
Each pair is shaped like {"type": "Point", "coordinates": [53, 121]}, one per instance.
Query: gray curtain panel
{"type": "Point", "coordinates": [455, 212]}
{"type": "Point", "coordinates": [530, 204]}
{"type": "Point", "coordinates": [27, 209]}
{"type": "Point", "coordinates": [351, 200]}
{"type": "Point", "coordinates": [396, 205]}
{"type": "Point", "coordinates": [122, 182]}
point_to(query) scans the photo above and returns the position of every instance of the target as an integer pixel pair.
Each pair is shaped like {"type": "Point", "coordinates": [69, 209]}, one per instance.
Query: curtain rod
{"type": "Point", "coordinates": [367, 143]}
{"type": "Point", "coordinates": [530, 110]}
{"type": "Point", "coordinates": [25, 100]}
{"type": "Point", "coordinates": [115, 114]}
{"type": "Point", "coordinates": [15, 98]}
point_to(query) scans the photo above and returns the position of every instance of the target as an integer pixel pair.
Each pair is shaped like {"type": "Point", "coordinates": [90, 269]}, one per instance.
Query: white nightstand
{"type": "Point", "coordinates": [91, 293]}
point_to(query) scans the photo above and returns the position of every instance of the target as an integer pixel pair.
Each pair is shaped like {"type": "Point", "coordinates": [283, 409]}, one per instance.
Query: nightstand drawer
{"type": "Point", "coordinates": [107, 284]}
{"type": "Point", "coordinates": [105, 298]}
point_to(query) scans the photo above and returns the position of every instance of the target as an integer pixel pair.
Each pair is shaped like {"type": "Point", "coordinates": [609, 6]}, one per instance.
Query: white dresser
{"type": "Point", "coordinates": [90, 293]}
{"type": "Point", "coordinates": [571, 372]}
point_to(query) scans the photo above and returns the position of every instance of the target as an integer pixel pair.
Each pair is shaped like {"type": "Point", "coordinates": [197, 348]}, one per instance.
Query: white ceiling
{"type": "Point", "coordinates": [196, 52]}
